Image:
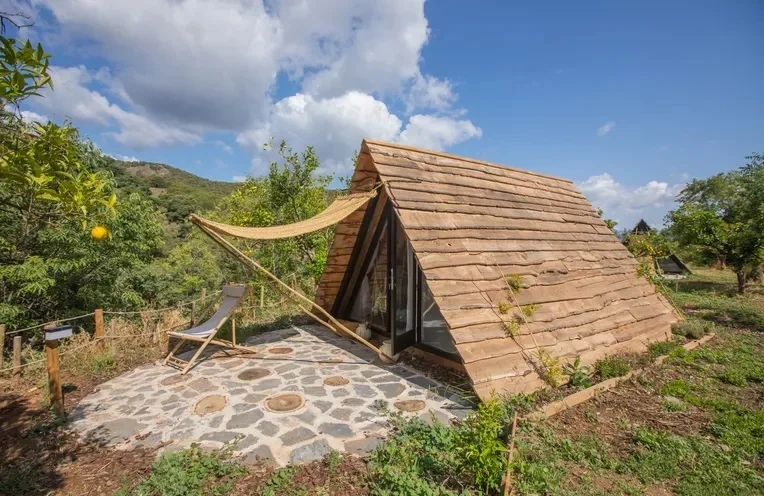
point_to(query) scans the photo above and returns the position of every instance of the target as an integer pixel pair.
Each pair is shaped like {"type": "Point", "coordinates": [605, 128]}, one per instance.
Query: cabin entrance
{"type": "Point", "coordinates": [385, 289]}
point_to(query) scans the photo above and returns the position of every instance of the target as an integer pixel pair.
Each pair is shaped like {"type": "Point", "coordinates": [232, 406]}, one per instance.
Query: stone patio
{"type": "Point", "coordinates": [306, 392]}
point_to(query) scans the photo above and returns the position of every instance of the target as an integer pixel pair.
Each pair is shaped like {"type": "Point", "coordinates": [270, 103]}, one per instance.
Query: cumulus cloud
{"type": "Point", "coordinates": [177, 69]}
{"type": "Point", "coordinates": [72, 98]}
{"type": "Point", "coordinates": [605, 128]}
{"type": "Point", "coordinates": [626, 204]}
{"type": "Point", "coordinates": [123, 158]}
{"type": "Point", "coordinates": [29, 116]}
{"type": "Point", "coordinates": [337, 125]}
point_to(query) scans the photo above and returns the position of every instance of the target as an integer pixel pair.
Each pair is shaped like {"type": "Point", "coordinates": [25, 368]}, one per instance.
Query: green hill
{"type": "Point", "coordinates": [176, 192]}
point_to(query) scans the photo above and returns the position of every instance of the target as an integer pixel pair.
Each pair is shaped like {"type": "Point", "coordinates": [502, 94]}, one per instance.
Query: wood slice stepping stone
{"type": "Point", "coordinates": [282, 403]}
{"type": "Point", "coordinates": [409, 405]}
{"type": "Point", "coordinates": [336, 380]}
{"type": "Point", "coordinates": [174, 379]}
{"type": "Point", "coordinates": [280, 350]}
{"type": "Point", "coordinates": [253, 374]}
{"type": "Point", "coordinates": [210, 404]}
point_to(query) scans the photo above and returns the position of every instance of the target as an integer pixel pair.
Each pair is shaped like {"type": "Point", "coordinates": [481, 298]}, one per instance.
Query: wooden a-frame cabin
{"type": "Point", "coordinates": [426, 263]}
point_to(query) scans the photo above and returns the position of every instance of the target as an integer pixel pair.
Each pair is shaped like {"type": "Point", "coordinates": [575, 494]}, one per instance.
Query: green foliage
{"type": "Point", "coordinates": [612, 366]}
{"type": "Point", "coordinates": [692, 328]}
{"type": "Point", "coordinates": [579, 376]}
{"type": "Point", "coordinates": [724, 216]}
{"type": "Point", "coordinates": [190, 472]}
{"type": "Point", "coordinates": [660, 348]}
{"type": "Point", "coordinates": [504, 307]}
{"type": "Point", "coordinates": [511, 327]}
{"type": "Point", "coordinates": [290, 193]}
{"type": "Point", "coordinates": [480, 446]}
{"type": "Point", "coordinates": [674, 406]}
{"type": "Point", "coordinates": [281, 484]}
{"type": "Point", "coordinates": [103, 364]}
{"type": "Point", "coordinates": [698, 467]}
{"type": "Point", "coordinates": [528, 310]}
{"type": "Point", "coordinates": [608, 222]}
{"type": "Point", "coordinates": [470, 458]}
{"type": "Point", "coordinates": [514, 281]}
{"type": "Point", "coordinates": [551, 368]}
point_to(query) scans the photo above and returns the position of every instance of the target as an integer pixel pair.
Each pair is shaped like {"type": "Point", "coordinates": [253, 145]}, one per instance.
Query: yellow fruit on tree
{"type": "Point", "coordinates": [99, 233]}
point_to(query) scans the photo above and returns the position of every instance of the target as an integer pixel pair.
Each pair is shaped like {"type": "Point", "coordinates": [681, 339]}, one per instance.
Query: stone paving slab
{"type": "Point", "coordinates": [339, 387]}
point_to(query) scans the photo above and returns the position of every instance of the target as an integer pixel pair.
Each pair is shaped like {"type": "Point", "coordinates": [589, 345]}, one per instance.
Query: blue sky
{"type": "Point", "coordinates": [630, 100]}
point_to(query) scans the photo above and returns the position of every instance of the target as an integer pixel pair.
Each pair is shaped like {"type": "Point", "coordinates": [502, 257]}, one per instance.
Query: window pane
{"type": "Point", "coordinates": [434, 330]}
{"type": "Point", "coordinates": [404, 283]}
{"type": "Point", "coordinates": [370, 306]}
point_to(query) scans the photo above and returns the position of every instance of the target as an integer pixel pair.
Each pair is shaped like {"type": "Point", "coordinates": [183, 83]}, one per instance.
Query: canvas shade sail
{"type": "Point", "coordinates": [338, 210]}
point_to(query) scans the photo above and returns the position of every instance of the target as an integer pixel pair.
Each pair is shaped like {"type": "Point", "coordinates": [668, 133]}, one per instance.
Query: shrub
{"type": "Point", "coordinates": [692, 329]}
{"type": "Point", "coordinates": [612, 366]}
{"type": "Point", "coordinates": [733, 377]}
{"type": "Point", "coordinates": [661, 348]}
{"type": "Point", "coordinates": [480, 445]}
{"type": "Point", "coordinates": [504, 307]}
{"type": "Point", "coordinates": [579, 376]}
{"type": "Point", "coordinates": [551, 370]}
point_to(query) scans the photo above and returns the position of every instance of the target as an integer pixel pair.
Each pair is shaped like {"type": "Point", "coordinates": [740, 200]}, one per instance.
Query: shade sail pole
{"type": "Point", "coordinates": [256, 266]}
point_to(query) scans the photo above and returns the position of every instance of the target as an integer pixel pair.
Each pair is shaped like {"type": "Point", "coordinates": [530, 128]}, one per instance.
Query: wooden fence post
{"type": "Point", "coordinates": [16, 372]}
{"type": "Point", "coordinates": [204, 296]}
{"type": "Point", "coordinates": [193, 314]}
{"type": "Point", "coordinates": [2, 346]}
{"type": "Point", "coordinates": [54, 377]}
{"type": "Point", "coordinates": [262, 295]}
{"type": "Point", "coordinates": [99, 334]}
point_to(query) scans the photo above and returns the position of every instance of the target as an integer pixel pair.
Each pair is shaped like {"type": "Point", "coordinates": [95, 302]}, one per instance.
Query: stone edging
{"type": "Point", "coordinates": [586, 394]}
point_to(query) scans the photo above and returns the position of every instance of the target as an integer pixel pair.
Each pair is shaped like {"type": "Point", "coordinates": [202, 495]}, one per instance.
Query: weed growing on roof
{"type": "Point", "coordinates": [514, 281]}
{"type": "Point", "coordinates": [551, 370]}
{"type": "Point", "coordinates": [511, 328]}
{"type": "Point", "coordinates": [579, 376]}
{"type": "Point", "coordinates": [528, 310]}
{"type": "Point", "coordinates": [612, 366]}
{"type": "Point", "coordinates": [504, 307]}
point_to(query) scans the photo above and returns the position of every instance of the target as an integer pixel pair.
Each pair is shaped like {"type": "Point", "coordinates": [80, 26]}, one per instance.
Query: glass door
{"type": "Point", "coordinates": [403, 273]}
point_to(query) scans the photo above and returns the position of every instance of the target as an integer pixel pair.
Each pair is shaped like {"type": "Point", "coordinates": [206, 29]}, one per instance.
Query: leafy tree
{"type": "Point", "coordinates": [292, 191]}
{"type": "Point", "coordinates": [610, 223]}
{"type": "Point", "coordinates": [724, 216]}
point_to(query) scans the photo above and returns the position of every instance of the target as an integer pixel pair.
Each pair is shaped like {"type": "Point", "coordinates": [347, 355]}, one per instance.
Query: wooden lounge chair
{"type": "Point", "coordinates": [206, 331]}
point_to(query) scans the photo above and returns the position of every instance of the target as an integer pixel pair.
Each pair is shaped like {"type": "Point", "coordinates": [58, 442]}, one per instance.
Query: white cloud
{"type": "Point", "coordinates": [224, 146]}
{"type": "Point", "coordinates": [605, 128]}
{"type": "Point", "coordinates": [627, 204]}
{"type": "Point", "coordinates": [430, 92]}
{"type": "Point", "coordinates": [72, 98]}
{"type": "Point", "coordinates": [337, 125]}
{"type": "Point", "coordinates": [29, 116]}
{"type": "Point", "coordinates": [123, 158]}
{"type": "Point", "coordinates": [239, 179]}
{"type": "Point", "coordinates": [177, 69]}
{"type": "Point", "coordinates": [429, 131]}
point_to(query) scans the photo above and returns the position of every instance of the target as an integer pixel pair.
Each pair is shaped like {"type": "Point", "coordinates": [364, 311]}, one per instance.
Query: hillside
{"type": "Point", "coordinates": [176, 192]}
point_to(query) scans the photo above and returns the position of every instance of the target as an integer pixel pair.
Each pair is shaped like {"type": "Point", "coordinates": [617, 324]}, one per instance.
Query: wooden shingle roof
{"type": "Point", "coordinates": [468, 222]}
